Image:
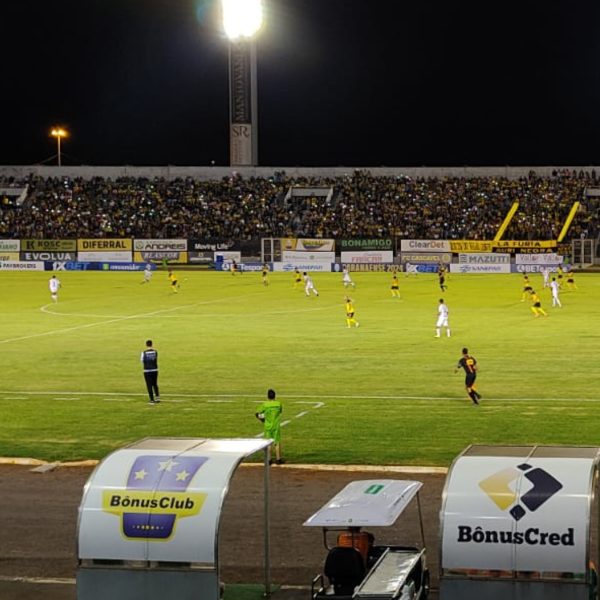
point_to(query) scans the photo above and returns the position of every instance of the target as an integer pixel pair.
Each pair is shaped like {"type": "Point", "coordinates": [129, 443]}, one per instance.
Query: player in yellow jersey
{"type": "Point", "coordinates": [536, 305]}
{"type": "Point", "coordinates": [174, 282]}
{"type": "Point", "coordinates": [571, 285]}
{"type": "Point", "coordinates": [395, 287]}
{"type": "Point", "coordinates": [527, 289]}
{"type": "Point", "coordinates": [265, 273]}
{"type": "Point", "coordinates": [350, 320]}
{"type": "Point", "coordinates": [297, 278]}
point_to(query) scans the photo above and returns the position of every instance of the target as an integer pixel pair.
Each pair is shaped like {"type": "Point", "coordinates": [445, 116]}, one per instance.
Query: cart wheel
{"type": "Point", "coordinates": [425, 585]}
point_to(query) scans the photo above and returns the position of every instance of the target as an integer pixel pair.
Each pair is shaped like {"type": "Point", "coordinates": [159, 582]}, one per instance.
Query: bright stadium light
{"type": "Point", "coordinates": [242, 18]}
{"type": "Point", "coordinates": [58, 133]}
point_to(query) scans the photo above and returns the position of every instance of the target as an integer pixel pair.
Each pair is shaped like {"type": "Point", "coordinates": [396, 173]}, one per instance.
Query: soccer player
{"type": "Point", "coordinates": [469, 364]}
{"type": "Point", "coordinates": [174, 282]}
{"type": "Point", "coordinates": [346, 279]}
{"type": "Point", "coordinates": [297, 278]}
{"type": "Point", "coordinates": [571, 281]}
{"type": "Point", "coordinates": [147, 273]}
{"type": "Point", "coordinates": [395, 287]}
{"type": "Point", "coordinates": [536, 305]}
{"type": "Point", "coordinates": [309, 286]}
{"type": "Point", "coordinates": [527, 289]}
{"type": "Point", "coordinates": [546, 276]}
{"type": "Point", "coordinates": [442, 277]}
{"type": "Point", "coordinates": [54, 285]}
{"type": "Point", "coordinates": [555, 288]}
{"type": "Point", "coordinates": [265, 273]}
{"type": "Point", "coordinates": [269, 413]}
{"type": "Point", "coordinates": [350, 320]}
{"type": "Point", "coordinates": [442, 320]}
{"type": "Point", "coordinates": [149, 359]}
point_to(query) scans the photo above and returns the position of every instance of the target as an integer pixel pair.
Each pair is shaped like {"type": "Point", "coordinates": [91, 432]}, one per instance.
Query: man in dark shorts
{"type": "Point", "coordinates": [469, 364]}
{"type": "Point", "coordinates": [149, 360]}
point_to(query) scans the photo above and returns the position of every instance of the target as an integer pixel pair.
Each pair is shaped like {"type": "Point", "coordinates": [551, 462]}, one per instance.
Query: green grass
{"type": "Point", "coordinates": [384, 393]}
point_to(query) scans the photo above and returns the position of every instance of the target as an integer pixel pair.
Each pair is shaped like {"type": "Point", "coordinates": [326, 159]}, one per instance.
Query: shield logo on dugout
{"type": "Point", "coordinates": [155, 496]}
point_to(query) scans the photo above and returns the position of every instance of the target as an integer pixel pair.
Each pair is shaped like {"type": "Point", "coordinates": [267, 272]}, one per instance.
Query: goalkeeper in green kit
{"type": "Point", "coordinates": [269, 413]}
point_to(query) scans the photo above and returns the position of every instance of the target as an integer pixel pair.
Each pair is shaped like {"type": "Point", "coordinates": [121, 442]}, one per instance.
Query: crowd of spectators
{"type": "Point", "coordinates": [362, 205]}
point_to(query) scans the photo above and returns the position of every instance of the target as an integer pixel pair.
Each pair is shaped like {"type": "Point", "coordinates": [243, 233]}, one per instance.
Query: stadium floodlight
{"type": "Point", "coordinates": [59, 133]}
{"type": "Point", "coordinates": [242, 18]}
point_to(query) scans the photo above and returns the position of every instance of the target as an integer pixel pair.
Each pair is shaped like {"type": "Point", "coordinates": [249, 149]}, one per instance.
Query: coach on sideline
{"type": "Point", "coordinates": [150, 361]}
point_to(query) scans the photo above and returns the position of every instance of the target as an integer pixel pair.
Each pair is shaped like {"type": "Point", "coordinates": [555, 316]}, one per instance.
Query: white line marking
{"type": "Point", "coordinates": [69, 398]}
{"type": "Point", "coordinates": [301, 414]}
{"type": "Point", "coordinates": [316, 403]}
{"type": "Point", "coordinates": [284, 423]}
{"type": "Point", "coordinates": [219, 401]}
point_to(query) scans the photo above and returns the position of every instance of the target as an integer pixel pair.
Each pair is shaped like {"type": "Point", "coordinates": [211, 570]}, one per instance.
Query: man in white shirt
{"type": "Point", "coordinates": [147, 273]}
{"type": "Point", "coordinates": [442, 320]}
{"type": "Point", "coordinates": [54, 286]}
{"type": "Point", "coordinates": [346, 279]}
{"type": "Point", "coordinates": [555, 287]}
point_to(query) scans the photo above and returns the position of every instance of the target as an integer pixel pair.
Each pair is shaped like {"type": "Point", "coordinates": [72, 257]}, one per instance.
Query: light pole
{"type": "Point", "coordinates": [58, 133]}
{"type": "Point", "coordinates": [242, 20]}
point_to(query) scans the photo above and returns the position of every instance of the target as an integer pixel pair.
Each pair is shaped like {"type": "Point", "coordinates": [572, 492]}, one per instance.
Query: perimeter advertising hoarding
{"type": "Point", "coordinates": [458, 246]}
{"type": "Point", "coordinates": [103, 245]}
{"type": "Point", "coordinates": [526, 246]}
{"type": "Point", "coordinates": [48, 256]}
{"type": "Point", "coordinates": [211, 246]}
{"type": "Point", "coordinates": [10, 256]}
{"type": "Point", "coordinates": [307, 245]}
{"type": "Point", "coordinates": [228, 256]}
{"type": "Point", "coordinates": [173, 245]}
{"type": "Point", "coordinates": [304, 266]}
{"type": "Point", "coordinates": [369, 256]}
{"type": "Point", "coordinates": [10, 245]}
{"type": "Point", "coordinates": [366, 244]}
{"type": "Point", "coordinates": [484, 259]}
{"type": "Point", "coordinates": [21, 266]}
{"type": "Point", "coordinates": [506, 514]}
{"type": "Point", "coordinates": [552, 259]}
{"type": "Point", "coordinates": [201, 257]}
{"type": "Point", "coordinates": [49, 245]}
{"type": "Point", "coordinates": [104, 256]}
{"type": "Point", "coordinates": [308, 257]}
{"type": "Point", "coordinates": [425, 246]}
{"type": "Point", "coordinates": [426, 257]}
{"type": "Point", "coordinates": [172, 256]}
{"type": "Point", "coordinates": [488, 268]}
{"type": "Point", "coordinates": [367, 267]}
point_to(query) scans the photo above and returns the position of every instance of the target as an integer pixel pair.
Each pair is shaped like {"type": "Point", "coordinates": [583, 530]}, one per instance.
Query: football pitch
{"type": "Point", "coordinates": [382, 393]}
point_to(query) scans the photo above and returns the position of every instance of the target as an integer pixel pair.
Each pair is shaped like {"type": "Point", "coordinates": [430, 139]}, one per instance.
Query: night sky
{"type": "Point", "coordinates": [341, 82]}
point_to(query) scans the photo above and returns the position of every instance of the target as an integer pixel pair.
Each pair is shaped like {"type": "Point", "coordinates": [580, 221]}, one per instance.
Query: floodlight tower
{"type": "Point", "coordinates": [242, 20]}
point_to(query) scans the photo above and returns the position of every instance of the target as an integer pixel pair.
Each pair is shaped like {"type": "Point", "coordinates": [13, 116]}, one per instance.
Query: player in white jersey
{"type": "Point", "coordinates": [147, 273]}
{"type": "Point", "coordinates": [442, 320]}
{"type": "Point", "coordinates": [346, 279]}
{"type": "Point", "coordinates": [546, 275]}
{"type": "Point", "coordinates": [54, 286]}
{"type": "Point", "coordinates": [309, 285]}
{"type": "Point", "coordinates": [555, 287]}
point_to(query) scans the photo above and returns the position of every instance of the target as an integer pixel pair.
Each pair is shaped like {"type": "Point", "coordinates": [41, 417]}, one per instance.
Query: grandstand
{"type": "Point", "coordinates": [217, 205]}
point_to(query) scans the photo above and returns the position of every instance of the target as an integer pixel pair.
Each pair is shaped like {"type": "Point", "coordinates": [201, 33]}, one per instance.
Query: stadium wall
{"type": "Point", "coordinates": [214, 173]}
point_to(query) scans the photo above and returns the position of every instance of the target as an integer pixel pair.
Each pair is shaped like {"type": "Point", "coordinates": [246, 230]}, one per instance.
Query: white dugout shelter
{"type": "Point", "coordinates": [149, 519]}
{"type": "Point", "coordinates": [520, 523]}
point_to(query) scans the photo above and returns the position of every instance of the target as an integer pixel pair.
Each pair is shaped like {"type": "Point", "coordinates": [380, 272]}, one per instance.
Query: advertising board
{"type": "Point", "coordinates": [368, 256]}
{"type": "Point", "coordinates": [366, 244]}
{"type": "Point", "coordinates": [425, 246]}
{"type": "Point", "coordinates": [21, 266]}
{"type": "Point", "coordinates": [426, 257]}
{"type": "Point", "coordinates": [48, 245]}
{"type": "Point", "coordinates": [367, 267]}
{"type": "Point", "coordinates": [173, 245]}
{"type": "Point", "coordinates": [307, 245]}
{"type": "Point", "coordinates": [484, 259]}
{"type": "Point", "coordinates": [539, 259]}
{"type": "Point", "coordinates": [172, 256]}
{"type": "Point", "coordinates": [47, 256]}
{"type": "Point", "coordinates": [302, 266]}
{"type": "Point", "coordinates": [458, 268]}
{"type": "Point", "coordinates": [458, 246]}
{"type": "Point", "coordinates": [103, 245]}
{"type": "Point", "coordinates": [526, 246]}
{"type": "Point", "coordinates": [104, 256]}
{"type": "Point", "coordinates": [308, 257]}
{"type": "Point", "coordinates": [9, 256]}
{"type": "Point", "coordinates": [10, 246]}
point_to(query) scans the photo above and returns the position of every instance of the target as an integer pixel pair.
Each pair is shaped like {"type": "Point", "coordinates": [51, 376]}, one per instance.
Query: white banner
{"type": "Point", "coordinates": [10, 245]}
{"type": "Point", "coordinates": [368, 256]}
{"type": "Point", "coordinates": [425, 246]}
{"type": "Point", "coordinates": [160, 245]}
{"type": "Point", "coordinates": [484, 259]}
{"type": "Point", "coordinates": [21, 266]}
{"type": "Point", "coordinates": [308, 257]}
{"type": "Point", "coordinates": [552, 259]}
{"type": "Point", "coordinates": [104, 256]}
{"type": "Point", "coordinates": [456, 268]}
{"type": "Point", "coordinates": [301, 266]}
{"type": "Point", "coordinates": [503, 513]}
